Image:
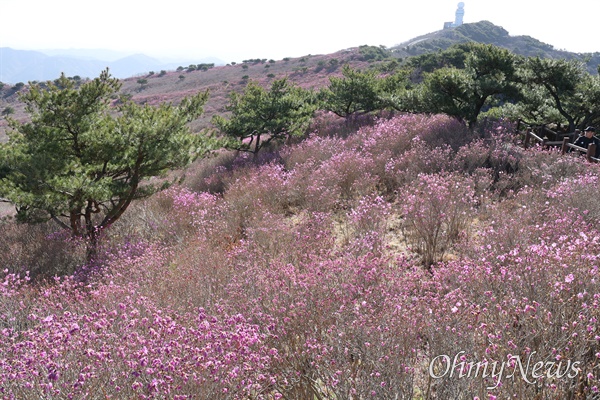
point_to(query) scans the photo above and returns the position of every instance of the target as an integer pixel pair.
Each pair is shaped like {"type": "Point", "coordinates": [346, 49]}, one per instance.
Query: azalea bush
{"type": "Point", "coordinates": [438, 212]}
{"type": "Point", "coordinates": [39, 250]}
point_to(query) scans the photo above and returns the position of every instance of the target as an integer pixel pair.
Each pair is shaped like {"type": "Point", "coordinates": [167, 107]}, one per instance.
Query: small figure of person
{"type": "Point", "coordinates": [588, 138]}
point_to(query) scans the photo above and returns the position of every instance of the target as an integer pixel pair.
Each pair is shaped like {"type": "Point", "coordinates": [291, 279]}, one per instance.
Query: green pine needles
{"type": "Point", "coordinates": [81, 161]}
{"type": "Point", "coordinates": [260, 116]}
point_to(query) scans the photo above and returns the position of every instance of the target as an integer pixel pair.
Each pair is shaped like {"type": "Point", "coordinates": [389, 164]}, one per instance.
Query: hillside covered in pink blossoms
{"type": "Point", "coordinates": [404, 257]}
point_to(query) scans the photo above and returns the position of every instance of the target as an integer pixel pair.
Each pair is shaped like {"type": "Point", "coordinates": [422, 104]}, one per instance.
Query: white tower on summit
{"type": "Point", "coordinates": [460, 13]}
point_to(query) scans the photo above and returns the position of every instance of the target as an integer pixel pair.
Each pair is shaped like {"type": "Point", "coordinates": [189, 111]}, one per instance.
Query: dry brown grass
{"type": "Point", "coordinates": [6, 210]}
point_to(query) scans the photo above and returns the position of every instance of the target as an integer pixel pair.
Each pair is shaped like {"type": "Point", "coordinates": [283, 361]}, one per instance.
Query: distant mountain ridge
{"type": "Point", "coordinates": [28, 65]}
{"type": "Point", "coordinates": [87, 54]}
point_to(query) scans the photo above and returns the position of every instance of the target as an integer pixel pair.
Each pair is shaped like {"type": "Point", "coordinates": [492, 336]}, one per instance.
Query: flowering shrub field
{"type": "Point", "coordinates": [411, 259]}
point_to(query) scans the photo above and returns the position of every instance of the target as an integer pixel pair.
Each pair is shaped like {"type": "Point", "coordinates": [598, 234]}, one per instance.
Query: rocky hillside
{"type": "Point", "coordinates": [310, 71]}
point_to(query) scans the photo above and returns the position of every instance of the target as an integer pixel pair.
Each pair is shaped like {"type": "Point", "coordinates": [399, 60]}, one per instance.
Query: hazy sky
{"type": "Point", "coordinates": [234, 30]}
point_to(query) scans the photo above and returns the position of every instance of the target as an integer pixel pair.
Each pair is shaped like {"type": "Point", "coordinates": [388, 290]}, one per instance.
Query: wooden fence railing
{"type": "Point", "coordinates": [540, 135]}
{"type": "Point", "coordinates": [589, 152]}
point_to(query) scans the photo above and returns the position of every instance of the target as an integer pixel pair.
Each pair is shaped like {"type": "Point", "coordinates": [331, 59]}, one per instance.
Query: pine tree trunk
{"type": "Point", "coordinates": [92, 245]}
